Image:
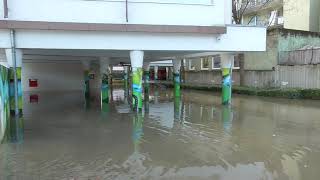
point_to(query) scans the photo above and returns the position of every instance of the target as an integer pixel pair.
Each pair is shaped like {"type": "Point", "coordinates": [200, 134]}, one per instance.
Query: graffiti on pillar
{"type": "Point", "coordinates": [176, 82]}
{"type": "Point", "coordinates": [105, 89]}
{"type": "Point", "coordinates": [226, 86]}
{"type": "Point", "coordinates": [137, 88]}
{"type": "Point", "coordinates": [4, 101]}
{"type": "Point", "coordinates": [12, 90]}
{"type": "Point", "coordinates": [86, 84]}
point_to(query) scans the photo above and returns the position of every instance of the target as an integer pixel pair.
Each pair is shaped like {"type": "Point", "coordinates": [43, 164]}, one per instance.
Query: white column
{"type": "Point", "coordinates": [156, 72]}
{"type": "Point", "coordinates": [136, 58]}
{"type": "Point", "coordinates": [167, 73]}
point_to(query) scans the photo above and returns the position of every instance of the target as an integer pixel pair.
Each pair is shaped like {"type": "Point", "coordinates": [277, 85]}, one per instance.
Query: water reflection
{"type": "Point", "coordinates": [192, 137]}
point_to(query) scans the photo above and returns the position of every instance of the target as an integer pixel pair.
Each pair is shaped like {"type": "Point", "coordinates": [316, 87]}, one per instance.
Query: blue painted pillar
{"type": "Point", "coordinates": [136, 58]}
{"type": "Point", "coordinates": [227, 61]}
{"type": "Point", "coordinates": [176, 77]}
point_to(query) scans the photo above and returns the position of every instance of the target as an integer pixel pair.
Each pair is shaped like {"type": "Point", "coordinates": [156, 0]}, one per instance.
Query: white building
{"type": "Point", "coordinates": [54, 38]}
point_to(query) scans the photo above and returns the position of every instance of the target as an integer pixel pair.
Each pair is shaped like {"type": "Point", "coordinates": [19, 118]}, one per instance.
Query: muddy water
{"type": "Point", "coordinates": [189, 138]}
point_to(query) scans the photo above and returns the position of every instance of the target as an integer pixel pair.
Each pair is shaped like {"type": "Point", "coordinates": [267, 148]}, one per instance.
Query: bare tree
{"type": "Point", "coordinates": [239, 8]}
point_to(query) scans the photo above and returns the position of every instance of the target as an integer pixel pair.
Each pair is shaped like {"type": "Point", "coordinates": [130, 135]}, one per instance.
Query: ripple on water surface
{"type": "Point", "coordinates": [192, 137]}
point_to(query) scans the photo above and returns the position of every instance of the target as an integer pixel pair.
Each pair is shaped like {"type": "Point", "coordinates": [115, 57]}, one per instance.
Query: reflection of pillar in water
{"type": "Point", "coordinates": [227, 118]}
{"type": "Point", "coordinates": [16, 130]}
{"type": "Point", "coordinates": [137, 133]}
{"type": "Point", "coordinates": [177, 108]}
{"type": "Point", "coordinates": [156, 95]}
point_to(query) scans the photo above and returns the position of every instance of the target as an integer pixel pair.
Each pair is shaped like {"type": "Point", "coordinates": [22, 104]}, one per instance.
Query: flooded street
{"type": "Point", "coordinates": [192, 138]}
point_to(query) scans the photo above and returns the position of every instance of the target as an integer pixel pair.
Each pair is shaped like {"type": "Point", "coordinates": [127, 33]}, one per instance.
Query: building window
{"type": "Point", "coordinates": [205, 63]}
{"type": "Point", "coordinates": [191, 66]}
{"type": "Point", "coordinates": [253, 21]}
{"type": "Point", "coordinates": [216, 62]}
{"type": "Point", "coordinates": [236, 64]}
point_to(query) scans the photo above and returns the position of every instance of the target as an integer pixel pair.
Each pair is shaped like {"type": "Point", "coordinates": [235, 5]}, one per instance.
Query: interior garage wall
{"type": "Point", "coordinates": [53, 76]}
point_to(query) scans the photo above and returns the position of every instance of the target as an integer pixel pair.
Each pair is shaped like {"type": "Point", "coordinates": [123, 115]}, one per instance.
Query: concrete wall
{"type": "Point", "coordinates": [53, 76]}
{"type": "Point", "coordinates": [279, 40]}
{"type": "Point", "coordinates": [209, 77]}
{"type": "Point", "coordinates": [259, 79]}
{"type": "Point", "coordinates": [264, 60]}
{"type": "Point", "coordinates": [307, 76]}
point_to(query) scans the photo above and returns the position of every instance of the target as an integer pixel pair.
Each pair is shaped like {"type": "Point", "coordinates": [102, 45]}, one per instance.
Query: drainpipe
{"type": "Point", "coordinates": [5, 8]}
{"type": "Point", "coordinates": [14, 61]}
{"type": "Point", "coordinates": [127, 16]}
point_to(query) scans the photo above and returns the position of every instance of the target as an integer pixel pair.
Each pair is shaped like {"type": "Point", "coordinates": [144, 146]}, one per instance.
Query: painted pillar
{"type": "Point", "coordinates": [86, 71]}
{"type": "Point", "coordinates": [15, 103]}
{"type": "Point", "coordinates": [136, 58]}
{"type": "Point", "coordinates": [126, 80]}
{"type": "Point", "coordinates": [104, 73]}
{"type": "Point", "coordinates": [156, 68]}
{"type": "Point", "coordinates": [146, 78]}
{"type": "Point", "coordinates": [176, 77]}
{"type": "Point", "coordinates": [227, 61]}
{"type": "Point", "coordinates": [4, 101]}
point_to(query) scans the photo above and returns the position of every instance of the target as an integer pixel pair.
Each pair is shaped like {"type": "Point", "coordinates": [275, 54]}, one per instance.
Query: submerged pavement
{"type": "Point", "coordinates": [62, 137]}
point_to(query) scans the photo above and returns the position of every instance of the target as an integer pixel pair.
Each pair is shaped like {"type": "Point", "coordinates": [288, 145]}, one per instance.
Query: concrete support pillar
{"type": "Point", "coordinates": [126, 80]}
{"type": "Point", "coordinates": [104, 73]}
{"type": "Point", "coordinates": [156, 68]}
{"type": "Point", "coordinates": [5, 101]}
{"type": "Point", "coordinates": [86, 71]}
{"type": "Point", "coordinates": [146, 78]}
{"type": "Point", "coordinates": [14, 58]}
{"type": "Point", "coordinates": [176, 77]}
{"type": "Point", "coordinates": [227, 61]}
{"type": "Point", "coordinates": [167, 73]}
{"type": "Point", "coordinates": [136, 58]}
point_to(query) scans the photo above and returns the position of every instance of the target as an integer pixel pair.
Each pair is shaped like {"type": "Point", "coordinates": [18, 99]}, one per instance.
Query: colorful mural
{"type": "Point", "coordinates": [105, 89]}
{"type": "Point", "coordinates": [12, 90]}
{"type": "Point", "coordinates": [4, 101]}
{"type": "Point", "coordinates": [226, 86]}
{"type": "Point", "coordinates": [176, 82]}
{"type": "Point", "coordinates": [137, 88]}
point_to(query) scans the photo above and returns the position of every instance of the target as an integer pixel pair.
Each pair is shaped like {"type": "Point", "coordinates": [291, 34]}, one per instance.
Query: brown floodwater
{"type": "Point", "coordinates": [193, 137]}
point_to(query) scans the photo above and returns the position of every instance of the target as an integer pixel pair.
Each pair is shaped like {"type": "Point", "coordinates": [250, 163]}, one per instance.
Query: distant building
{"type": "Point", "coordinates": [290, 14]}
{"type": "Point", "coordinates": [292, 25]}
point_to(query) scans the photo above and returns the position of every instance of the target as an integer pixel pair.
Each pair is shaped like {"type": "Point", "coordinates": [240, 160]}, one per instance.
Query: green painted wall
{"type": "Point", "coordinates": [279, 40]}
